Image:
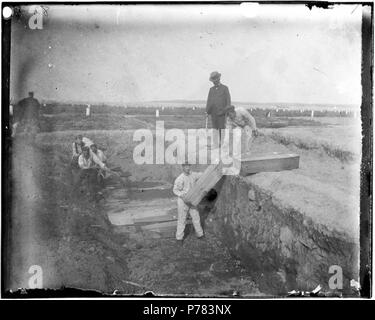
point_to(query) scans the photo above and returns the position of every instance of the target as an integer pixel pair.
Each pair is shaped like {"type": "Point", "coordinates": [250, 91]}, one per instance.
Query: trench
{"type": "Point", "coordinates": [255, 245]}
{"type": "Point", "coordinates": [266, 234]}
{"type": "Point", "coordinates": [155, 261]}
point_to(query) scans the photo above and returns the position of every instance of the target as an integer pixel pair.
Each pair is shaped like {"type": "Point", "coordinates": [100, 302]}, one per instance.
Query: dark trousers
{"type": "Point", "coordinates": [218, 123]}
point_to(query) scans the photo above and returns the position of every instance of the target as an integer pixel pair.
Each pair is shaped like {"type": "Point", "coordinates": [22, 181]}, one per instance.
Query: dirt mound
{"type": "Point", "coordinates": [70, 240]}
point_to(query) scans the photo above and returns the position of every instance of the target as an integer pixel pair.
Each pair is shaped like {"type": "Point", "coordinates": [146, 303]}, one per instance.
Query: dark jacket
{"type": "Point", "coordinates": [218, 99]}
{"type": "Point", "coordinates": [28, 109]}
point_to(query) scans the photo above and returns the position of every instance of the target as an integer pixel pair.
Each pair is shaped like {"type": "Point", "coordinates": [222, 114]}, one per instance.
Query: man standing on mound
{"type": "Point", "coordinates": [184, 182]}
{"type": "Point", "coordinates": [217, 102]}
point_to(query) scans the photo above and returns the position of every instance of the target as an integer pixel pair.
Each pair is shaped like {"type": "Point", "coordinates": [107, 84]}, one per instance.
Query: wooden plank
{"type": "Point", "coordinates": [249, 164]}
{"type": "Point", "coordinates": [136, 211]}
{"type": "Point", "coordinates": [153, 219]}
{"type": "Point", "coordinates": [268, 163]}
{"type": "Point", "coordinates": [120, 219]}
{"type": "Point", "coordinates": [206, 182]}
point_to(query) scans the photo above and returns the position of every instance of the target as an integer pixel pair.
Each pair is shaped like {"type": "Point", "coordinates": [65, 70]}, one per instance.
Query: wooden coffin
{"type": "Point", "coordinates": [205, 183]}
{"type": "Point", "coordinates": [249, 164]}
{"type": "Point", "coordinates": [268, 163]}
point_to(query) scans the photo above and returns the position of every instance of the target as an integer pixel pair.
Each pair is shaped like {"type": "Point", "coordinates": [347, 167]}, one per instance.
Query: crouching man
{"type": "Point", "coordinates": [184, 182]}
{"type": "Point", "coordinates": [238, 117]}
{"type": "Point", "coordinates": [88, 164]}
{"type": "Point", "coordinates": [77, 145]}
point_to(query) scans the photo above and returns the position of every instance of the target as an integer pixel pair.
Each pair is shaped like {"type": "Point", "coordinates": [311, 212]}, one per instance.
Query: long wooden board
{"type": "Point", "coordinates": [249, 165]}
{"type": "Point", "coordinates": [154, 219]}
{"type": "Point", "coordinates": [268, 163]}
{"type": "Point", "coordinates": [205, 183]}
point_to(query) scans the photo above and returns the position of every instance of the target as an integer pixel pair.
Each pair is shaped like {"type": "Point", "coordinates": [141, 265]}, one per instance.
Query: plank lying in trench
{"type": "Point", "coordinates": [155, 219]}
{"type": "Point", "coordinates": [137, 212]}
{"type": "Point", "coordinates": [249, 165]}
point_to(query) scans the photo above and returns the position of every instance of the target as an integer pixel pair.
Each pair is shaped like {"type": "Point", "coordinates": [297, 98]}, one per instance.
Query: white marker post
{"type": "Point", "coordinates": [312, 113]}
{"type": "Point", "coordinates": [157, 113]}
{"type": "Point", "coordinates": [88, 111]}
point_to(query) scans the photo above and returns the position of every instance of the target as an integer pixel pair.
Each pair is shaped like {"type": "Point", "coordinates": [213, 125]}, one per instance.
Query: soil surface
{"type": "Point", "coordinates": [70, 236]}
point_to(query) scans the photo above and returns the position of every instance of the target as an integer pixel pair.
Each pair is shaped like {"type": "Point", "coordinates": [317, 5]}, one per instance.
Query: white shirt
{"type": "Point", "coordinates": [243, 118]}
{"type": "Point", "coordinates": [89, 162]}
{"type": "Point", "coordinates": [184, 183]}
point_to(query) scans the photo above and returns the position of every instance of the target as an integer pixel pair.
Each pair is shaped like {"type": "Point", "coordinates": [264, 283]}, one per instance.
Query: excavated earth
{"type": "Point", "coordinates": [266, 234]}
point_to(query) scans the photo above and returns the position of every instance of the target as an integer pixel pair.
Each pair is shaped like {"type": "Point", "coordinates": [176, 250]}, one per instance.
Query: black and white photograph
{"type": "Point", "coordinates": [199, 150]}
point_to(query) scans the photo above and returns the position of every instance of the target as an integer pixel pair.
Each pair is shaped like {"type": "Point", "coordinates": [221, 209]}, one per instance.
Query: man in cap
{"type": "Point", "coordinates": [184, 182]}
{"type": "Point", "coordinates": [217, 102]}
{"type": "Point", "coordinates": [239, 117]}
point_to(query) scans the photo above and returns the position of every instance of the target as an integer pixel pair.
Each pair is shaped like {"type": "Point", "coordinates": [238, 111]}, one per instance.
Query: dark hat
{"type": "Point", "coordinates": [214, 75]}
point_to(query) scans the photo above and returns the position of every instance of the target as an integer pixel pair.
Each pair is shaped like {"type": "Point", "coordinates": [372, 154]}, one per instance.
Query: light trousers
{"type": "Point", "coordinates": [183, 211]}
{"type": "Point", "coordinates": [246, 139]}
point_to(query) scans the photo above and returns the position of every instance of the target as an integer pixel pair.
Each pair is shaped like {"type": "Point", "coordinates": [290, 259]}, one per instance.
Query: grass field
{"type": "Point", "coordinates": [338, 136]}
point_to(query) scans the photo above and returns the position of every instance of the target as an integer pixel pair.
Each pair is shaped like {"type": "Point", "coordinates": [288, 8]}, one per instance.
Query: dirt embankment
{"type": "Point", "coordinates": [69, 239]}
{"type": "Point", "coordinates": [297, 224]}
{"type": "Point", "coordinates": [72, 240]}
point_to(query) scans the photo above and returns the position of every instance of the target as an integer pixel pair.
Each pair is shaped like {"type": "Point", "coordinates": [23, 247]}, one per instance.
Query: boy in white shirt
{"type": "Point", "coordinates": [184, 182]}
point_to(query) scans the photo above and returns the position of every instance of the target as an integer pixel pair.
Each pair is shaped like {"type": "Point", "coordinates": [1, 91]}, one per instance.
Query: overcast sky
{"type": "Point", "coordinates": [267, 53]}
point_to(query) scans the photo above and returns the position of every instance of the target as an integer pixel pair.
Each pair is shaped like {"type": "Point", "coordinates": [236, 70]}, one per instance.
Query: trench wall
{"type": "Point", "coordinates": [282, 241]}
